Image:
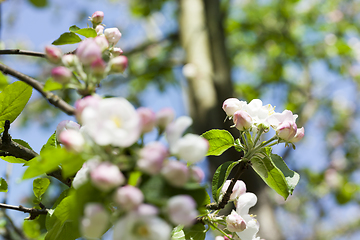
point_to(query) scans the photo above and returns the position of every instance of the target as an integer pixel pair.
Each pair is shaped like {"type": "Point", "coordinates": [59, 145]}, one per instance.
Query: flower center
{"type": "Point", "coordinates": [142, 230]}
{"type": "Point", "coordinates": [117, 121]}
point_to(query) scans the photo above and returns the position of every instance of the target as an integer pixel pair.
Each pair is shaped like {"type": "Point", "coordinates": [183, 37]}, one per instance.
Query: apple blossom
{"type": "Point", "coordinates": [152, 157]}
{"type": "Point", "coordinates": [259, 113]}
{"type": "Point", "coordinates": [235, 223]}
{"type": "Point", "coordinates": [95, 221]}
{"type": "Point", "coordinates": [88, 101]}
{"type": "Point", "coordinates": [242, 120]}
{"type": "Point", "coordinates": [176, 173]}
{"type": "Point", "coordinates": [66, 125]}
{"type": "Point", "coordinates": [118, 64]}
{"type": "Point", "coordinates": [61, 74]}
{"type": "Point", "coordinates": [148, 119]}
{"type": "Point", "coordinates": [298, 136]}
{"type": "Point", "coordinates": [82, 176]}
{"type": "Point", "coordinates": [238, 189]}
{"type": "Point", "coordinates": [285, 126]}
{"type": "Point", "coordinates": [231, 105]}
{"type": "Point", "coordinates": [98, 67]}
{"type": "Point", "coordinates": [175, 130]}
{"type": "Point", "coordinates": [286, 130]}
{"type": "Point", "coordinates": [70, 60]}
{"type": "Point", "coordinates": [107, 176]}
{"type": "Point", "coordinates": [73, 140]}
{"type": "Point", "coordinates": [138, 227]}
{"type": "Point", "coordinates": [116, 51]}
{"type": "Point", "coordinates": [99, 30]}
{"type": "Point", "coordinates": [53, 54]}
{"type": "Point", "coordinates": [112, 121]}
{"type": "Point", "coordinates": [164, 117]}
{"type": "Point", "coordinates": [182, 210]}
{"type": "Point", "coordinates": [97, 17]}
{"type": "Point", "coordinates": [113, 35]}
{"type": "Point", "coordinates": [88, 51]}
{"type": "Point", "coordinates": [191, 148]}
{"type": "Point", "coordinates": [197, 174]}
{"type": "Point", "coordinates": [128, 197]}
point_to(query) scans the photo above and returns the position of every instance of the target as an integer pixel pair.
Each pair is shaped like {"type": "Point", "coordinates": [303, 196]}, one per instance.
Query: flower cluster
{"type": "Point", "coordinates": [93, 59]}
{"type": "Point", "coordinates": [255, 117]}
{"type": "Point", "coordinates": [107, 127]}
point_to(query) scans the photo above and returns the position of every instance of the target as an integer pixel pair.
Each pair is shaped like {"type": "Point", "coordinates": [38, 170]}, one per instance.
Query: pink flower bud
{"type": "Point", "coordinates": [242, 120]}
{"type": "Point", "coordinates": [299, 135]}
{"type": "Point", "coordinates": [152, 157]}
{"type": "Point", "coordinates": [99, 30]}
{"type": "Point", "coordinates": [88, 101]}
{"type": "Point", "coordinates": [231, 105]}
{"type": "Point", "coordinates": [238, 189]}
{"type": "Point", "coordinates": [61, 74]}
{"type": "Point", "coordinates": [197, 174]}
{"type": "Point", "coordinates": [128, 197]}
{"type": "Point", "coordinates": [148, 119]}
{"type": "Point", "coordinates": [72, 140]}
{"type": "Point", "coordinates": [97, 17]}
{"type": "Point", "coordinates": [182, 210]}
{"type": "Point", "coordinates": [147, 210]}
{"type": "Point", "coordinates": [192, 148]}
{"type": "Point", "coordinates": [102, 42]}
{"type": "Point", "coordinates": [88, 51]}
{"type": "Point", "coordinates": [66, 125]}
{"type": "Point", "coordinates": [116, 51]}
{"type": "Point", "coordinates": [113, 35]}
{"type": "Point", "coordinates": [53, 54]}
{"type": "Point", "coordinates": [70, 60]}
{"type": "Point", "coordinates": [235, 223]}
{"type": "Point", "coordinates": [286, 130]}
{"type": "Point", "coordinates": [107, 176]}
{"type": "Point", "coordinates": [95, 221]}
{"type": "Point", "coordinates": [176, 173]}
{"type": "Point", "coordinates": [164, 117]}
{"type": "Point", "coordinates": [118, 64]}
{"type": "Point", "coordinates": [98, 67]}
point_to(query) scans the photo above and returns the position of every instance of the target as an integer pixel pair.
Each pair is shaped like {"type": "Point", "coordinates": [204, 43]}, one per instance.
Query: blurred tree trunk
{"type": "Point", "coordinates": [202, 37]}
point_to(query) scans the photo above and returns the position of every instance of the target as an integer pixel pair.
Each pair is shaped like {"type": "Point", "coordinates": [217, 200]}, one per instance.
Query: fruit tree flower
{"type": "Point", "coordinates": [106, 176]}
{"type": "Point", "coordinates": [88, 51]}
{"type": "Point", "coordinates": [182, 210]}
{"type": "Point", "coordinates": [177, 173]}
{"type": "Point", "coordinates": [95, 221]}
{"type": "Point", "coordinates": [113, 35]}
{"type": "Point", "coordinates": [128, 197]}
{"type": "Point", "coordinates": [235, 223]}
{"type": "Point", "coordinates": [152, 157]}
{"type": "Point", "coordinates": [61, 74]}
{"type": "Point", "coordinates": [238, 189]}
{"type": "Point", "coordinates": [192, 148]}
{"type": "Point", "coordinates": [111, 121]}
{"type": "Point", "coordinates": [53, 54]}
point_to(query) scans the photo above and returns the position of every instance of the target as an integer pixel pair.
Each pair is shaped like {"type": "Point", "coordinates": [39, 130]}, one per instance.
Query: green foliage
{"type": "Point", "coordinates": [195, 232]}
{"type": "Point", "coordinates": [87, 32]}
{"type": "Point", "coordinates": [220, 176]}
{"type": "Point", "coordinates": [13, 99]}
{"type": "Point", "coordinates": [39, 3]}
{"type": "Point", "coordinates": [67, 38]}
{"type": "Point", "coordinates": [51, 143]}
{"type": "Point", "coordinates": [3, 185]}
{"type": "Point", "coordinates": [3, 81]}
{"type": "Point", "coordinates": [51, 85]}
{"type": "Point", "coordinates": [178, 233]}
{"type": "Point", "coordinates": [31, 228]}
{"type": "Point", "coordinates": [12, 159]}
{"type": "Point", "coordinates": [273, 170]}
{"type": "Point", "coordinates": [40, 186]}
{"type": "Point", "coordinates": [219, 141]}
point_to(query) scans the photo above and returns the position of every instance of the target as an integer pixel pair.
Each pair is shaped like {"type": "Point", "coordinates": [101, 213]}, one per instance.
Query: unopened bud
{"type": "Point", "coordinates": [235, 223]}
{"type": "Point", "coordinates": [176, 173]}
{"type": "Point", "coordinates": [286, 130]}
{"type": "Point", "coordinates": [113, 35]}
{"type": "Point", "coordinates": [53, 54]}
{"type": "Point", "coordinates": [231, 105]}
{"type": "Point", "coordinates": [128, 197]}
{"type": "Point", "coordinates": [88, 51]}
{"type": "Point", "coordinates": [107, 176]}
{"type": "Point", "coordinates": [97, 17]}
{"type": "Point", "coordinates": [148, 119]}
{"type": "Point", "coordinates": [299, 135]}
{"type": "Point", "coordinates": [118, 64]}
{"type": "Point", "coordinates": [61, 74]}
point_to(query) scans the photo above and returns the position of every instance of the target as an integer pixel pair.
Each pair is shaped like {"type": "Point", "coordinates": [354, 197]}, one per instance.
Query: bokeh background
{"type": "Point", "coordinates": [191, 55]}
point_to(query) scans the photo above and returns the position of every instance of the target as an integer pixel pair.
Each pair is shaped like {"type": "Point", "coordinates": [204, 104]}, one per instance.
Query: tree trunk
{"type": "Point", "coordinates": [202, 37]}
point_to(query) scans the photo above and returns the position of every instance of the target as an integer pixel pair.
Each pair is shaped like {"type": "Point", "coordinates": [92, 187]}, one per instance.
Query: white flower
{"type": "Point", "coordinates": [176, 173]}
{"type": "Point", "coordinates": [175, 130]}
{"type": "Point", "coordinates": [238, 189]}
{"type": "Point", "coordinates": [152, 157]}
{"type": "Point", "coordinates": [182, 210]}
{"type": "Point", "coordinates": [128, 197]}
{"type": "Point", "coordinates": [231, 105]}
{"type": "Point", "coordinates": [244, 203]}
{"type": "Point", "coordinates": [192, 148]}
{"type": "Point", "coordinates": [107, 176]}
{"type": "Point", "coordinates": [235, 223]}
{"type": "Point", "coordinates": [258, 112]}
{"type": "Point", "coordinates": [95, 221]}
{"type": "Point", "coordinates": [139, 227]}
{"type": "Point", "coordinates": [112, 121]}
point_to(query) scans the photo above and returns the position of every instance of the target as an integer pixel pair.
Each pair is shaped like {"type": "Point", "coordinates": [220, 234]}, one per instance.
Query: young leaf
{"type": "Point", "coordinates": [12, 159]}
{"type": "Point", "coordinates": [74, 28]}
{"type": "Point", "coordinates": [178, 233]}
{"type": "Point", "coordinates": [87, 32]}
{"type": "Point", "coordinates": [32, 229]}
{"type": "Point", "coordinates": [272, 175]}
{"type": "Point", "coordinates": [23, 143]}
{"type": "Point", "coordinates": [220, 176]}
{"type": "Point", "coordinates": [3, 185]}
{"type": "Point", "coordinates": [196, 232]}
{"type": "Point", "coordinates": [67, 38]}
{"type": "Point", "coordinates": [13, 99]}
{"type": "Point", "coordinates": [3, 81]}
{"type": "Point", "coordinates": [51, 143]}
{"type": "Point", "coordinates": [39, 3]}
{"type": "Point", "coordinates": [219, 141]}
{"type": "Point", "coordinates": [39, 186]}
{"type": "Point", "coordinates": [51, 85]}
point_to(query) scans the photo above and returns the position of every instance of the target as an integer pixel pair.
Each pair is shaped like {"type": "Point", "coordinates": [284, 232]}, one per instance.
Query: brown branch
{"type": "Point", "coordinates": [12, 148]}
{"type": "Point", "coordinates": [22, 52]}
{"type": "Point", "coordinates": [51, 97]}
{"type": "Point", "coordinates": [33, 211]}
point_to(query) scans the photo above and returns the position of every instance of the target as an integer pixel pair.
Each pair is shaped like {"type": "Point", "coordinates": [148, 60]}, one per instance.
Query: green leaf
{"type": "Point", "coordinates": [12, 159]}
{"type": "Point", "coordinates": [22, 143]}
{"type": "Point", "coordinates": [178, 233]}
{"type": "Point", "coordinates": [220, 176]}
{"type": "Point", "coordinates": [219, 141]}
{"type": "Point", "coordinates": [265, 167]}
{"type": "Point", "coordinates": [31, 229]}
{"type": "Point", "coordinates": [67, 38]}
{"type": "Point", "coordinates": [13, 100]}
{"type": "Point", "coordinates": [3, 81]}
{"type": "Point", "coordinates": [134, 178]}
{"type": "Point", "coordinates": [39, 3]}
{"type": "Point", "coordinates": [51, 143]}
{"type": "Point", "coordinates": [87, 32]}
{"type": "Point", "coordinates": [73, 28]}
{"type": "Point", "coordinates": [196, 232]}
{"type": "Point", "coordinates": [51, 85]}
{"type": "Point", "coordinates": [40, 185]}
{"type": "Point", "coordinates": [3, 185]}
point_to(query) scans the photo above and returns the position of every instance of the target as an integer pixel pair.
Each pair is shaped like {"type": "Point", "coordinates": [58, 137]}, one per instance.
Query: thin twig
{"type": "Point", "coordinates": [20, 208]}
{"type": "Point", "coordinates": [51, 97]}
{"type": "Point", "coordinates": [22, 52]}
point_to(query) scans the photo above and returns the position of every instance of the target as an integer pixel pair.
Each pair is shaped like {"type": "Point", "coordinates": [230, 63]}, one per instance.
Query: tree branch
{"type": "Point", "coordinates": [51, 97]}
{"type": "Point", "coordinates": [12, 148]}
{"type": "Point", "coordinates": [22, 52]}
{"type": "Point", "coordinates": [33, 211]}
